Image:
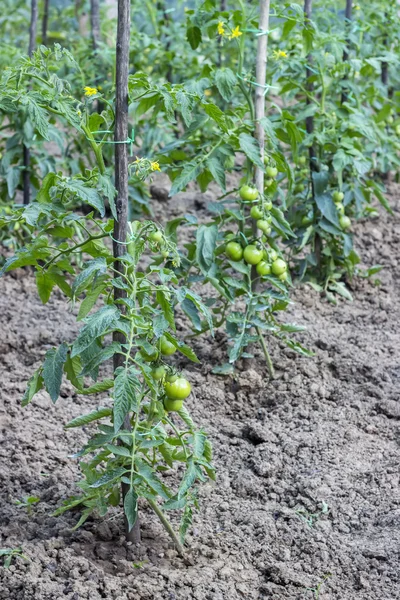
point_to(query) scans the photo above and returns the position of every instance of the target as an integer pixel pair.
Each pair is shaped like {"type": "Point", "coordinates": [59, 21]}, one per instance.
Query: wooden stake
{"type": "Point", "coordinates": [95, 23]}
{"type": "Point", "coordinates": [349, 5]}
{"type": "Point", "coordinates": [121, 184]}
{"type": "Point", "coordinates": [45, 21]}
{"type": "Point", "coordinates": [26, 152]}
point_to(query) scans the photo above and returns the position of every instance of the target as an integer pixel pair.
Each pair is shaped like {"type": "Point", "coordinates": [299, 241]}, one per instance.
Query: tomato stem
{"type": "Point", "coordinates": [167, 526]}
{"type": "Point", "coordinates": [268, 360]}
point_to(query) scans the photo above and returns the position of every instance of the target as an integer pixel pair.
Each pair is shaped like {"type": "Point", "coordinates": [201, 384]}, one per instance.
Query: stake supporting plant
{"type": "Point", "coordinates": [45, 21]}
{"type": "Point", "coordinates": [121, 184]}
{"type": "Point", "coordinates": [348, 15]}
{"type": "Point", "coordinates": [26, 151]}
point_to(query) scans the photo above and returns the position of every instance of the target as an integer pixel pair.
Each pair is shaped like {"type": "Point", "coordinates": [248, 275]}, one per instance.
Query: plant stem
{"type": "Point", "coordinates": [167, 525]}
{"type": "Point", "coordinates": [268, 360]}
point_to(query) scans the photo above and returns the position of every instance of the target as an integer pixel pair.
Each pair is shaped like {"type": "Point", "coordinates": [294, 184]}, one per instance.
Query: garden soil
{"type": "Point", "coordinates": [306, 503]}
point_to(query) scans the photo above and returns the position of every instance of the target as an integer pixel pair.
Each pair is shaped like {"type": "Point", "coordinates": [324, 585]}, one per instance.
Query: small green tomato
{"type": "Point", "coordinates": [278, 267]}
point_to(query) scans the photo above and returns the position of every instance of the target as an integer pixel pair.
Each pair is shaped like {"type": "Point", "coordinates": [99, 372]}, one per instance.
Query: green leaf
{"type": "Point", "coordinates": [213, 111]}
{"type": "Point", "coordinates": [99, 413]}
{"type": "Point", "coordinates": [217, 170]}
{"type": "Point", "coordinates": [105, 354]}
{"type": "Point", "coordinates": [186, 522]}
{"type": "Point", "coordinates": [93, 268]}
{"type": "Point", "coordinates": [38, 115]}
{"type": "Point", "coordinates": [53, 369]}
{"type": "Point", "coordinates": [100, 386]}
{"type": "Point", "coordinates": [131, 507]}
{"type": "Point", "coordinates": [188, 479]}
{"type": "Point", "coordinates": [13, 177]}
{"type": "Point", "coordinates": [87, 194]}
{"type": "Point", "coordinates": [164, 300]}
{"type": "Point", "coordinates": [225, 80]}
{"type": "Point", "coordinates": [327, 208]}
{"type": "Point", "coordinates": [124, 397]}
{"type": "Point", "coordinates": [250, 147]}
{"type": "Point", "coordinates": [340, 289]}
{"type": "Point", "coordinates": [72, 368]}
{"type": "Point", "coordinates": [190, 309]}
{"type": "Point", "coordinates": [35, 384]}
{"type": "Point", "coordinates": [206, 238]}
{"type": "Point", "coordinates": [189, 173]}
{"type": "Point", "coordinates": [146, 472]}
{"type": "Point", "coordinates": [193, 35]}
{"type": "Point", "coordinates": [90, 300]}
{"type": "Point", "coordinates": [45, 284]}
{"type": "Point", "coordinates": [108, 477]}
{"type": "Point", "coordinates": [109, 191]}
{"type": "Point", "coordinates": [48, 182]}
{"type": "Point", "coordinates": [96, 325]}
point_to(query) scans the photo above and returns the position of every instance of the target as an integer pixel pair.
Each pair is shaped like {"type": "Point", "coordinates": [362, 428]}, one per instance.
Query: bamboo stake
{"type": "Point", "coordinates": [26, 151]}
{"type": "Point", "coordinates": [121, 184]}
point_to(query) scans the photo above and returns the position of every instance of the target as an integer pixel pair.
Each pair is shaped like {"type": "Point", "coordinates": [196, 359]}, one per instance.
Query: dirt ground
{"type": "Point", "coordinates": [306, 504]}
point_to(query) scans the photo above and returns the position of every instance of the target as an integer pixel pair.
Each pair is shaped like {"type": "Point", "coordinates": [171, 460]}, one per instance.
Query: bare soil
{"type": "Point", "coordinates": [307, 501]}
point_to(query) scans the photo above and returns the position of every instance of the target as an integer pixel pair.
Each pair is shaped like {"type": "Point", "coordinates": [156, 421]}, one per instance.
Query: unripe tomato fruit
{"type": "Point", "coordinates": [271, 172]}
{"type": "Point", "coordinates": [340, 208]}
{"type": "Point", "coordinates": [306, 220]}
{"type": "Point", "coordinates": [266, 159]}
{"type": "Point", "coordinates": [337, 196]}
{"type": "Point", "coordinates": [178, 389]}
{"type": "Point", "coordinates": [252, 255]}
{"type": "Point", "coordinates": [268, 183]}
{"type": "Point", "coordinates": [278, 266]}
{"type": "Point", "coordinates": [248, 192]}
{"type": "Point", "coordinates": [166, 347]}
{"type": "Point", "coordinates": [389, 120]}
{"type": "Point", "coordinates": [234, 251]}
{"type": "Point", "coordinates": [264, 226]}
{"type": "Point", "coordinates": [283, 276]}
{"type": "Point", "coordinates": [156, 236]}
{"type": "Point", "coordinates": [273, 255]}
{"type": "Point", "coordinates": [302, 160]}
{"type": "Point", "coordinates": [345, 222]}
{"type": "Point", "coordinates": [172, 377]}
{"type": "Point", "coordinates": [263, 268]}
{"type": "Point", "coordinates": [256, 212]}
{"type": "Point", "coordinates": [299, 188]}
{"type": "Point", "coordinates": [267, 205]}
{"type": "Point", "coordinates": [172, 405]}
{"type": "Point", "coordinates": [158, 373]}
{"type": "Point", "coordinates": [397, 130]}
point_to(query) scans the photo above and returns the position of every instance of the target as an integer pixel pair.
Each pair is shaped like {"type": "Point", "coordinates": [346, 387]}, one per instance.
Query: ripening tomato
{"type": "Point", "coordinates": [252, 255]}
{"type": "Point", "coordinates": [234, 251]}
{"type": "Point", "coordinates": [263, 268]}
{"type": "Point", "coordinates": [167, 348]}
{"type": "Point", "coordinates": [178, 389]}
{"type": "Point", "coordinates": [248, 193]}
{"type": "Point", "coordinates": [278, 266]}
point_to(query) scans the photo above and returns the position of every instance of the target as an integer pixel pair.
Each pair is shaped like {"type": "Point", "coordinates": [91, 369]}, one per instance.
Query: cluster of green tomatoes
{"type": "Point", "coordinates": [344, 220]}
{"type": "Point", "coordinates": [175, 387]}
{"type": "Point", "coordinates": [265, 260]}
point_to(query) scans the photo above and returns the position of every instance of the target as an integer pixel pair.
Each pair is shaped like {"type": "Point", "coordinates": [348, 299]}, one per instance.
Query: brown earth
{"type": "Point", "coordinates": [308, 465]}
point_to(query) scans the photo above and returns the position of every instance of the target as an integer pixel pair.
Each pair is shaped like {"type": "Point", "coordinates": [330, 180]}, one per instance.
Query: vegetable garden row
{"type": "Point", "coordinates": [291, 111]}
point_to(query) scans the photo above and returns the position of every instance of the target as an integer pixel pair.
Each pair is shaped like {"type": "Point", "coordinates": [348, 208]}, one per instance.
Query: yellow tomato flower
{"type": "Point", "coordinates": [89, 91]}
{"type": "Point", "coordinates": [207, 92]}
{"type": "Point", "coordinates": [155, 166]}
{"type": "Point", "coordinates": [220, 28]}
{"type": "Point", "coordinates": [235, 33]}
{"type": "Point", "coordinates": [279, 54]}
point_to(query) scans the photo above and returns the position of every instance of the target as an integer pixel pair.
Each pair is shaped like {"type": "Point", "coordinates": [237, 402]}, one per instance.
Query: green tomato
{"type": "Point", "coordinates": [266, 159]}
{"type": "Point", "coordinates": [271, 172]}
{"type": "Point", "coordinates": [172, 405]}
{"type": "Point", "coordinates": [172, 377]}
{"type": "Point", "coordinates": [156, 237]}
{"type": "Point", "coordinates": [283, 276]}
{"type": "Point", "coordinates": [397, 130]}
{"type": "Point", "coordinates": [337, 196]}
{"type": "Point", "coordinates": [234, 251]}
{"type": "Point", "coordinates": [248, 193]}
{"type": "Point", "coordinates": [302, 160]}
{"type": "Point", "coordinates": [268, 183]}
{"type": "Point", "coordinates": [165, 254]}
{"type": "Point", "coordinates": [267, 205]}
{"type": "Point", "coordinates": [264, 226]}
{"type": "Point", "coordinates": [345, 222]}
{"type": "Point", "coordinates": [389, 120]}
{"type": "Point", "coordinates": [278, 266]}
{"type": "Point", "coordinates": [256, 212]}
{"type": "Point", "coordinates": [158, 373]}
{"type": "Point", "coordinates": [263, 268]}
{"type": "Point", "coordinates": [252, 255]}
{"type": "Point", "coordinates": [273, 255]}
{"type": "Point", "coordinates": [166, 347]}
{"type": "Point", "coordinates": [299, 187]}
{"type": "Point", "coordinates": [178, 389]}
{"type": "Point", "coordinates": [340, 208]}
{"type": "Point", "coordinates": [306, 220]}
